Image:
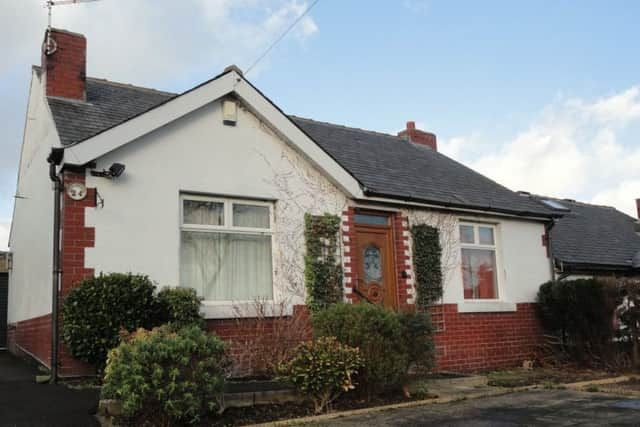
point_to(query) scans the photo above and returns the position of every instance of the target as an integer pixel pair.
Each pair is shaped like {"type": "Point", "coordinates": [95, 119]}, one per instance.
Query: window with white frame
{"type": "Point", "coordinates": [479, 267]}
{"type": "Point", "coordinates": [225, 248]}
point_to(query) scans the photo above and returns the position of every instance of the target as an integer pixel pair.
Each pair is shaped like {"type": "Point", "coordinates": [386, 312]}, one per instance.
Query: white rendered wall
{"type": "Point", "coordinates": [32, 223]}
{"type": "Point", "coordinates": [138, 229]}
{"type": "Point", "coordinates": [522, 259]}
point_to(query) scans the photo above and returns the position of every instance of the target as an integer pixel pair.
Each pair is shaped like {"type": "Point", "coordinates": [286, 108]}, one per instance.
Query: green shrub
{"type": "Point", "coordinates": [377, 332]}
{"type": "Point", "coordinates": [180, 307]}
{"type": "Point", "coordinates": [167, 377]}
{"type": "Point", "coordinates": [322, 268]}
{"type": "Point", "coordinates": [417, 333]}
{"type": "Point", "coordinates": [322, 369]}
{"type": "Point", "coordinates": [427, 259]}
{"type": "Point", "coordinates": [580, 314]}
{"type": "Point", "coordinates": [95, 312]}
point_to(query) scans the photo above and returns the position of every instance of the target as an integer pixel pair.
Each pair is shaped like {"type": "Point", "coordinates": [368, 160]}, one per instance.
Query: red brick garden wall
{"type": "Point", "coordinates": [483, 341]}
{"type": "Point", "coordinates": [246, 336]}
{"type": "Point", "coordinates": [32, 337]}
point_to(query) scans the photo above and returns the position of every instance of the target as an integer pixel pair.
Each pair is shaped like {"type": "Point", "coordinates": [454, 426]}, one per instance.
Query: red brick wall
{"type": "Point", "coordinates": [75, 238]}
{"type": "Point", "coordinates": [32, 337]}
{"type": "Point", "coordinates": [247, 336]}
{"type": "Point", "coordinates": [66, 67]}
{"type": "Point", "coordinates": [484, 341]}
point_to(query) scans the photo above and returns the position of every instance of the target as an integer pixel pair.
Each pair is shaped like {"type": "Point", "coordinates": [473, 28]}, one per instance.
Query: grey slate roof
{"type": "Point", "coordinates": [390, 166]}
{"type": "Point", "coordinates": [385, 165]}
{"type": "Point", "coordinates": [107, 104]}
{"type": "Point", "coordinates": [599, 237]}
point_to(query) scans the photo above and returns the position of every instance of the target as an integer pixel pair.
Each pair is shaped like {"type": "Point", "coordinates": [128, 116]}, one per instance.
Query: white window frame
{"type": "Point", "coordinates": [223, 309]}
{"type": "Point", "coordinates": [470, 305]}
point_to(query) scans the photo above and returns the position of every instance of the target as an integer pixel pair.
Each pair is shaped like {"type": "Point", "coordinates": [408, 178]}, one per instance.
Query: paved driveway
{"type": "Point", "coordinates": [532, 408]}
{"type": "Point", "coordinates": [25, 403]}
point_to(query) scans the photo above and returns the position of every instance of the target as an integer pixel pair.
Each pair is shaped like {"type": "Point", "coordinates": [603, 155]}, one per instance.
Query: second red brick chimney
{"type": "Point", "coordinates": [64, 64]}
{"type": "Point", "coordinates": [418, 136]}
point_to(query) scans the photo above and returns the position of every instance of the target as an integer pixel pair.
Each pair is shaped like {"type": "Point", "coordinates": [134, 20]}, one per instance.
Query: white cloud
{"type": "Point", "coordinates": [618, 109]}
{"type": "Point", "coordinates": [619, 197]}
{"type": "Point", "coordinates": [5, 226]}
{"type": "Point", "coordinates": [573, 148]}
{"type": "Point", "coordinates": [155, 41]}
{"type": "Point", "coordinates": [417, 6]}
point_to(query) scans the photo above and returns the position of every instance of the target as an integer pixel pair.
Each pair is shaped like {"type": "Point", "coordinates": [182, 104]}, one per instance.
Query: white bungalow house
{"type": "Point", "coordinates": [209, 189]}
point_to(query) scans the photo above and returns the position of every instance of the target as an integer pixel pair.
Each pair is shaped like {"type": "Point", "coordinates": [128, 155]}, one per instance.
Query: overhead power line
{"type": "Point", "coordinates": [293, 24]}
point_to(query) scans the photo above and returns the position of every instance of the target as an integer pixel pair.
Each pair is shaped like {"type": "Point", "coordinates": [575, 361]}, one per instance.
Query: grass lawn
{"type": "Point", "coordinates": [520, 377]}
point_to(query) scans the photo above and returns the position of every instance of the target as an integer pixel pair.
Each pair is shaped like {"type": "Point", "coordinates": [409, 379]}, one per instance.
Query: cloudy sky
{"type": "Point", "coordinates": [541, 96]}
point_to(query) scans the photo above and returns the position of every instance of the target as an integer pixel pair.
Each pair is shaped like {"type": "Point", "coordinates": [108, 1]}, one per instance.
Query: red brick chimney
{"type": "Point", "coordinates": [418, 136]}
{"type": "Point", "coordinates": [64, 59]}
{"type": "Point", "coordinates": [638, 207]}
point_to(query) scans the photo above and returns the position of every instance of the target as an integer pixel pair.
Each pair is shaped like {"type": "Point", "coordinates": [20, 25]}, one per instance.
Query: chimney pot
{"type": "Point", "coordinates": [417, 136]}
{"type": "Point", "coordinates": [65, 66]}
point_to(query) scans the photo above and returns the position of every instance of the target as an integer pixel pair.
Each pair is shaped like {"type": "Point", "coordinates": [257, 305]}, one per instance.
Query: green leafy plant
{"type": "Point", "coordinates": [427, 256]}
{"type": "Point", "coordinates": [180, 307]}
{"type": "Point", "coordinates": [579, 313]}
{"type": "Point", "coordinates": [94, 312]}
{"type": "Point", "coordinates": [322, 369]}
{"type": "Point", "coordinates": [322, 269]}
{"type": "Point", "coordinates": [377, 332]}
{"type": "Point", "coordinates": [167, 376]}
{"type": "Point", "coordinates": [417, 333]}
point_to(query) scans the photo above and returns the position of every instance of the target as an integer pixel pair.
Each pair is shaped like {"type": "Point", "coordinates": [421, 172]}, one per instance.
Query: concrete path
{"type": "Point", "coordinates": [530, 408]}
{"type": "Point", "coordinates": [25, 403]}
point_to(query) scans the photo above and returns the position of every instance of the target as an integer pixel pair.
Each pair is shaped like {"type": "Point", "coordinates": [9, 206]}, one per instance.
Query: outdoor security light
{"type": "Point", "coordinates": [114, 171]}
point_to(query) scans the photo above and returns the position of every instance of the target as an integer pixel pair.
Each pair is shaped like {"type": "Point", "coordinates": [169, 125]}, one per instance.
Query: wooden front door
{"type": "Point", "coordinates": [374, 259]}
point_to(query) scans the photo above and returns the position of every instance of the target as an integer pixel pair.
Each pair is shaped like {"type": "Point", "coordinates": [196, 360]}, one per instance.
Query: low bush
{"type": "Point", "coordinates": [167, 376]}
{"type": "Point", "coordinates": [417, 333]}
{"type": "Point", "coordinates": [179, 307]}
{"type": "Point", "coordinates": [95, 311]}
{"type": "Point", "coordinates": [580, 314]}
{"type": "Point", "coordinates": [378, 333]}
{"type": "Point", "coordinates": [322, 369]}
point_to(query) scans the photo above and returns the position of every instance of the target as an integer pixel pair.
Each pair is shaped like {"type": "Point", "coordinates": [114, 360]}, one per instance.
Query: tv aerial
{"type": "Point", "coordinates": [50, 44]}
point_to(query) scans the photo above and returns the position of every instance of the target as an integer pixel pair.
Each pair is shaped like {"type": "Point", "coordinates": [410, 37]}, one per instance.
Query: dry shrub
{"type": "Point", "coordinates": [269, 338]}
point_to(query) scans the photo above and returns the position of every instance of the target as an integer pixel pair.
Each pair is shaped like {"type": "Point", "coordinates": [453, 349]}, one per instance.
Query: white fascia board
{"type": "Point", "coordinates": [298, 139]}
{"type": "Point", "coordinates": [119, 135]}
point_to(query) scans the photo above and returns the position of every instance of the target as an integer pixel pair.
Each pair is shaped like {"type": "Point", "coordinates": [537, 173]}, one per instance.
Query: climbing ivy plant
{"type": "Point", "coordinates": [427, 255]}
{"type": "Point", "coordinates": [322, 269]}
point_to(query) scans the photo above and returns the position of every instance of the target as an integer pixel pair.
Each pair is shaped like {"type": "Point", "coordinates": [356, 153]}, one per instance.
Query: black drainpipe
{"type": "Point", "coordinates": [54, 159]}
{"type": "Point", "coordinates": [548, 226]}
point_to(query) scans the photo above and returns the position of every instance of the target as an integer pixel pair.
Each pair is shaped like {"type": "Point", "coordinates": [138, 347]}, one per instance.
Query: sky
{"type": "Point", "coordinates": [542, 96]}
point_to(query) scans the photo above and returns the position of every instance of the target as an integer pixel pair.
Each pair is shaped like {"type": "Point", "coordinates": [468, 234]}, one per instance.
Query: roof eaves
{"type": "Point", "coordinates": [451, 205]}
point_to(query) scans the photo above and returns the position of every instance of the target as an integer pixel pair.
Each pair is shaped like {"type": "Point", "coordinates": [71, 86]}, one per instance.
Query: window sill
{"type": "Point", "coordinates": [470, 306]}
{"type": "Point", "coordinates": [243, 309]}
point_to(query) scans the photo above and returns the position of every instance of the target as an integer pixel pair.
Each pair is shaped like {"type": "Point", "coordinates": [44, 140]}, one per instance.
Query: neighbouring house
{"type": "Point", "coordinates": [4, 297]}
{"type": "Point", "coordinates": [209, 189]}
{"type": "Point", "coordinates": [591, 240]}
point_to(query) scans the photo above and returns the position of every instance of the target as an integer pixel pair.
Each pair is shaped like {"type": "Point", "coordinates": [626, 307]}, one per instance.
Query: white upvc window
{"type": "Point", "coordinates": [226, 248]}
{"type": "Point", "coordinates": [479, 261]}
